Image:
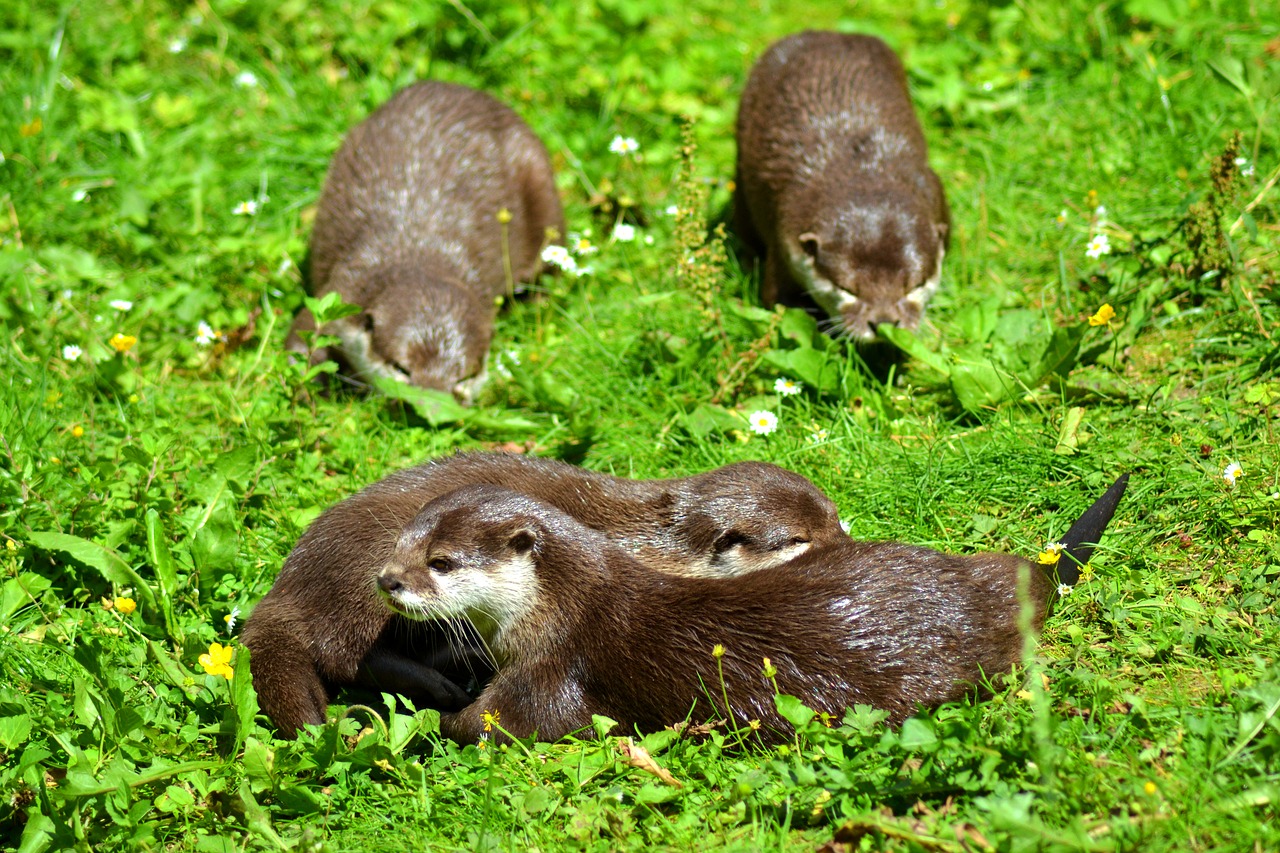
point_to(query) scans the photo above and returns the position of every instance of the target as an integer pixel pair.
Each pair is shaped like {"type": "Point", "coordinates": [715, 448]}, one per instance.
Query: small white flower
{"type": "Point", "coordinates": [120, 304]}
{"type": "Point", "coordinates": [581, 246]}
{"type": "Point", "coordinates": [1061, 219]}
{"type": "Point", "coordinates": [71, 352]}
{"type": "Point", "coordinates": [231, 618]}
{"type": "Point", "coordinates": [1100, 211]}
{"type": "Point", "coordinates": [587, 270]}
{"type": "Point", "coordinates": [558, 256]}
{"type": "Point", "coordinates": [246, 79]}
{"type": "Point", "coordinates": [819, 436]}
{"type": "Point", "coordinates": [1098, 246]}
{"type": "Point", "coordinates": [624, 145]}
{"type": "Point", "coordinates": [763, 423]}
{"type": "Point", "coordinates": [624, 233]}
{"type": "Point", "coordinates": [246, 208]}
{"type": "Point", "coordinates": [1063, 589]}
{"type": "Point", "coordinates": [67, 294]}
{"type": "Point", "coordinates": [672, 210]}
{"type": "Point", "coordinates": [1245, 167]}
{"type": "Point", "coordinates": [1232, 472]}
{"type": "Point", "coordinates": [503, 363]}
{"type": "Point", "coordinates": [786, 387]}
{"type": "Point", "coordinates": [205, 334]}
{"type": "Point", "coordinates": [178, 45]}
{"type": "Point", "coordinates": [648, 239]}
{"type": "Point", "coordinates": [80, 195]}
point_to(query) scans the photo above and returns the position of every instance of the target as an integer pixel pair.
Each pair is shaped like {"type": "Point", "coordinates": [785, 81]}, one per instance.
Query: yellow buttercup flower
{"type": "Point", "coordinates": [122, 343]}
{"type": "Point", "coordinates": [1050, 554]}
{"type": "Point", "coordinates": [126, 605]}
{"type": "Point", "coordinates": [717, 651]}
{"type": "Point", "coordinates": [490, 719]}
{"type": "Point", "coordinates": [1104, 315]}
{"type": "Point", "coordinates": [218, 660]}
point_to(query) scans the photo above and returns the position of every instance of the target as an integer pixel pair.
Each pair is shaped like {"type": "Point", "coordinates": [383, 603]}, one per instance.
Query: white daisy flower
{"type": "Point", "coordinates": [558, 256]}
{"type": "Point", "coordinates": [71, 352]}
{"type": "Point", "coordinates": [786, 387]}
{"type": "Point", "coordinates": [1232, 472]}
{"type": "Point", "coordinates": [205, 334]}
{"type": "Point", "coordinates": [1098, 246]}
{"type": "Point", "coordinates": [624, 233]}
{"type": "Point", "coordinates": [763, 423]}
{"type": "Point", "coordinates": [1063, 590]}
{"type": "Point", "coordinates": [246, 79]}
{"type": "Point", "coordinates": [231, 618]}
{"type": "Point", "coordinates": [246, 208]}
{"type": "Point", "coordinates": [624, 145]}
{"type": "Point", "coordinates": [120, 304]}
{"type": "Point", "coordinates": [581, 246]}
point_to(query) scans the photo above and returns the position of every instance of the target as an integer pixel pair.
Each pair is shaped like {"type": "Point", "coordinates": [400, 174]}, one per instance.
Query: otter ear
{"type": "Point", "coordinates": [810, 243]}
{"type": "Point", "coordinates": [728, 539]}
{"type": "Point", "coordinates": [522, 541]}
{"type": "Point", "coordinates": [943, 230]}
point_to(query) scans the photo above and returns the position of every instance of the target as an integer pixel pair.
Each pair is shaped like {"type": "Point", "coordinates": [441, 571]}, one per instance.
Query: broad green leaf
{"type": "Point", "coordinates": [793, 710]}
{"type": "Point", "coordinates": [107, 562]}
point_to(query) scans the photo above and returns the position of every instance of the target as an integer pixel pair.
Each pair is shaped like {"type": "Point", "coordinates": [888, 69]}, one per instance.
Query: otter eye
{"type": "Point", "coordinates": [798, 540]}
{"type": "Point", "coordinates": [439, 564]}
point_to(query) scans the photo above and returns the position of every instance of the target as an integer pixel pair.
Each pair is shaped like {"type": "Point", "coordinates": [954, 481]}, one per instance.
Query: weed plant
{"type": "Point", "coordinates": [159, 454]}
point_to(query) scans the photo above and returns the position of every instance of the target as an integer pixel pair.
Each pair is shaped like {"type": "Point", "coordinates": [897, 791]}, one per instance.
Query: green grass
{"type": "Point", "coordinates": [180, 475]}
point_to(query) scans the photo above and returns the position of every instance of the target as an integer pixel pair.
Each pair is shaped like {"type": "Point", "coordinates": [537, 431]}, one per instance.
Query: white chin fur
{"type": "Point", "coordinates": [740, 561]}
{"type": "Point", "coordinates": [922, 294]}
{"type": "Point", "coordinates": [357, 346]}
{"type": "Point", "coordinates": [494, 598]}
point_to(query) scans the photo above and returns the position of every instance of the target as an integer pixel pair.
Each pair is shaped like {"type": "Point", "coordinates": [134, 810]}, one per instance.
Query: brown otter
{"type": "Point", "coordinates": [408, 228]}
{"type": "Point", "coordinates": [578, 628]}
{"type": "Point", "coordinates": [833, 182]}
{"type": "Point", "coordinates": [322, 626]}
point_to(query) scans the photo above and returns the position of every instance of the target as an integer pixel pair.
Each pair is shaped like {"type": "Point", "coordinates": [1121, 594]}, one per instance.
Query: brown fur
{"type": "Point", "coordinates": [834, 187]}
{"type": "Point", "coordinates": [407, 228]}
{"type": "Point", "coordinates": [579, 628]}
{"type": "Point", "coordinates": [321, 626]}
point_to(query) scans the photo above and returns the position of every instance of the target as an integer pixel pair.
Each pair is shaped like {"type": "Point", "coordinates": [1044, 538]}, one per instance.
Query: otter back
{"type": "Point", "coordinates": [833, 183]}
{"type": "Point", "coordinates": [408, 228]}
{"type": "Point", "coordinates": [580, 629]}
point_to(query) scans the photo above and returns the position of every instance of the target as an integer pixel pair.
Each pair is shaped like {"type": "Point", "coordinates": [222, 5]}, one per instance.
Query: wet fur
{"type": "Point", "coordinates": [407, 229]}
{"type": "Point", "coordinates": [834, 188]}
{"type": "Point", "coordinates": [322, 626]}
{"type": "Point", "coordinates": [580, 628]}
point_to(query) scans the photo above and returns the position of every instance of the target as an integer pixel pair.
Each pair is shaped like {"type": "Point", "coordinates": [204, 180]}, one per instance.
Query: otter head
{"type": "Point", "coordinates": [871, 263]}
{"type": "Point", "coordinates": [427, 332]}
{"type": "Point", "coordinates": [752, 515]}
{"type": "Point", "coordinates": [468, 554]}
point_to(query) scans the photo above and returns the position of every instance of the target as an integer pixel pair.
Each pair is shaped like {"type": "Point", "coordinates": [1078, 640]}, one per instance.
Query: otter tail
{"type": "Point", "coordinates": [1079, 541]}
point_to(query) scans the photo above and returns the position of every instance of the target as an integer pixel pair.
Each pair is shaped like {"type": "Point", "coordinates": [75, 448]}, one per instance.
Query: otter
{"type": "Point", "coordinates": [408, 227]}
{"type": "Point", "coordinates": [322, 626]}
{"type": "Point", "coordinates": [578, 628]}
{"type": "Point", "coordinates": [833, 184]}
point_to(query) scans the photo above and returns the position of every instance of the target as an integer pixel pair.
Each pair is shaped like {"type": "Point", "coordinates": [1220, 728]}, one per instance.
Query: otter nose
{"type": "Point", "coordinates": [388, 582]}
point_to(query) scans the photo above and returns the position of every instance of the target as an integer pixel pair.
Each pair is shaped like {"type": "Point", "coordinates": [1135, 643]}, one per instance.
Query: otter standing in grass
{"type": "Point", "coordinates": [578, 628]}
{"type": "Point", "coordinates": [433, 206]}
{"type": "Point", "coordinates": [834, 187]}
{"type": "Point", "coordinates": [322, 625]}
